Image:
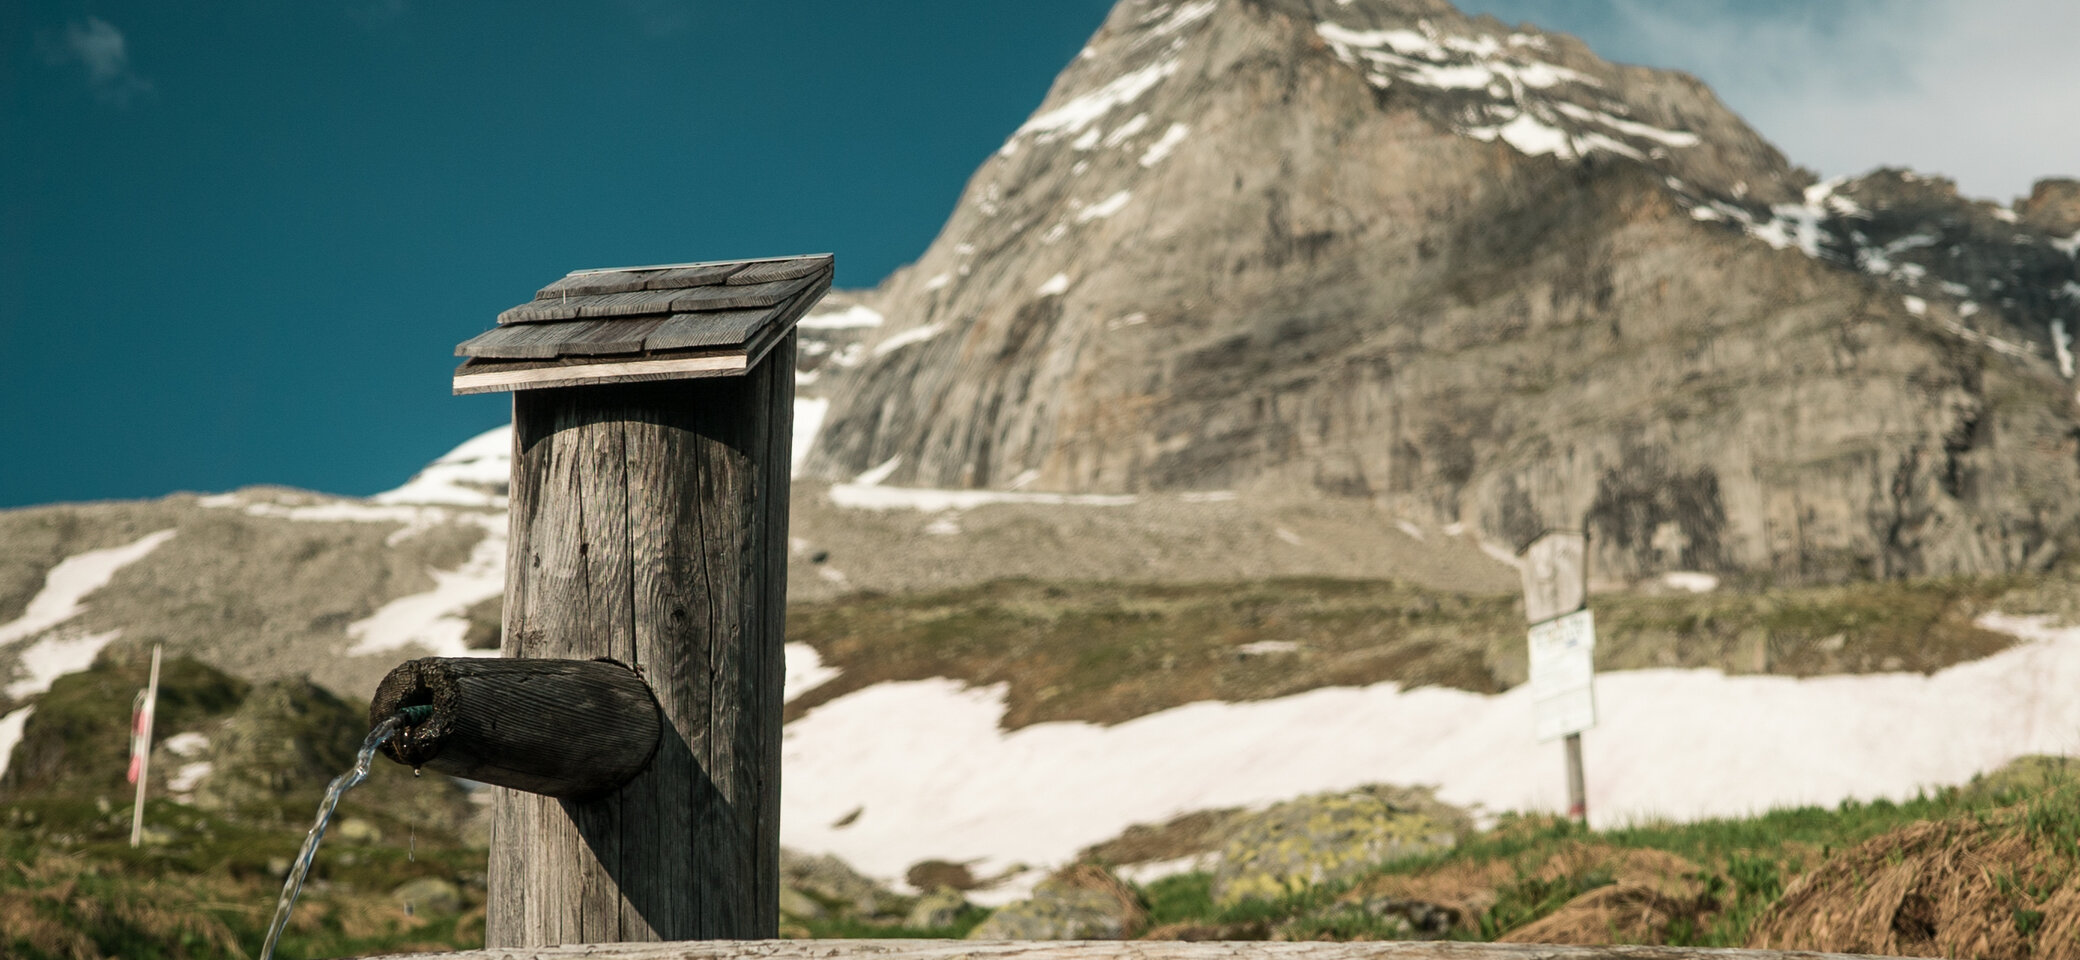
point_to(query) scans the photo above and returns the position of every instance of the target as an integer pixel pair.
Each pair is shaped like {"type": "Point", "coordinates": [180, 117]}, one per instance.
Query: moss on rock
{"type": "Point", "coordinates": [1330, 837]}
{"type": "Point", "coordinates": [1082, 902]}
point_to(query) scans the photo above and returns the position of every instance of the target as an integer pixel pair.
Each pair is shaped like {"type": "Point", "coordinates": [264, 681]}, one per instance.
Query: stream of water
{"type": "Point", "coordinates": [340, 785]}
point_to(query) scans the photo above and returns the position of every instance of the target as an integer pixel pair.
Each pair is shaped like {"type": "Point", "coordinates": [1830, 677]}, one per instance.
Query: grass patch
{"type": "Point", "coordinates": [1716, 883]}
{"type": "Point", "coordinates": [1108, 652]}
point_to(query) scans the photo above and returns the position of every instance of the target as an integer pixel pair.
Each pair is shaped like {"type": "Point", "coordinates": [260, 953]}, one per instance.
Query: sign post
{"type": "Point", "coordinates": [1563, 650]}
{"type": "Point", "coordinates": [141, 745]}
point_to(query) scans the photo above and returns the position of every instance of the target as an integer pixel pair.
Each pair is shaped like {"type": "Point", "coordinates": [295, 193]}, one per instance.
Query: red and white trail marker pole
{"type": "Point", "coordinates": [1563, 649]}
{"type": "Point", "coordinates": [141, 745]}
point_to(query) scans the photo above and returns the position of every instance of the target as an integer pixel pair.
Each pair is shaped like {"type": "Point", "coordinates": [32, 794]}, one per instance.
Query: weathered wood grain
{"type": "Point", "coordinates": [631, 303]}
{"type": "Point", "coordinates": [607, 337]}
{"type": "Point", "coordinates": [768, 270]}
{"type": "Point", "coordinates": [701, 275]}
{"type": "Point", "coordinates": [476, 377]}
{"type": "Point", "coordinates": [543, 341]}
{"type": "Point", "coordinates": [649, 524]}
{"type": "Point", "coordinates": [591, 283]}
{"type": "Point", "coordinates": [1118, 950]}
{"type": "Point", "coordinates": [587, 283]}
{"type": "Point", "coordinates": [1555, 573]}
{"type": "Point", "coordinates": [520, 341]}
{"type": "Point", "coordinates": [709, 328]}
{"type": "Point", "coordinates": [565, 728]}
{"type": "Point", "coordinates": [726, 297]}
{"type": "Point", "coordinates": [673, 276]}
{"type": "Point", "coordinates": [640, 302]}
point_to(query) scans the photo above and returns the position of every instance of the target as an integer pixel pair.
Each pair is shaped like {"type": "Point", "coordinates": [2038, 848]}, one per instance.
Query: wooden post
{"type": "Point", "coordinates": [1577, 788]}
{"type": "Point", "coordinates": [652, 417]}
{"type": "Point", "coordinates": [649, 526]}
{"type": "Point", "coordinates": [1555, 570]}
{"type": "Point", "coordinates": [141, 745]}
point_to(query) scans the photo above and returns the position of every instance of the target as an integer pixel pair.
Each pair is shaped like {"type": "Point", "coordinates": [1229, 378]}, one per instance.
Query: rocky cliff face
{"type": "Point", "coordinates": [1376, 249]}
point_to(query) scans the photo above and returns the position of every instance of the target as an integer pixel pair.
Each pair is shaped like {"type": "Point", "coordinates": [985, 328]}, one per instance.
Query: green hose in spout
{"type": "Point", "coordinates": [416, 714]}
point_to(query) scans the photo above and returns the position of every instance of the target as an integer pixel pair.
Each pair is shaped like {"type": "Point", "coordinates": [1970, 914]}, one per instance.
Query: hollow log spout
{"type": "Point", "coordinates": [571, 729]}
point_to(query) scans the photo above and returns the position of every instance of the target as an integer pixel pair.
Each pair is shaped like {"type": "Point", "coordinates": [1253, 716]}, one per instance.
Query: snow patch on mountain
{"type": "Point", "coordinates": [1080, 112]}
{"type": "Point", "coordinates": [873, 496]}
{"type": "Point", "coordinates": [854, 317]}
{"type": "Point", "coordinates": [805, 671]}
{"type": "Point", "coordinates": [50, 657]}
{"type": "Point", "coordinates": [71, 581]}
{"type": "Point", "coordinates": [808, 422]}
{"type": "Point", "coordinates": [1517, 97]}
{"type": "Point", "coordinates": [471, 475]}
{"type": "Point", "coordinates": [434, 619]}
{"type": "Point", "coordinates": [55, 656]}
{"type": "Point", "coordinates": [1104, 208]}
{"type": "Point", "coordinates": [11, 734]}
{"type": "Point", "coordinates": [1167, 142]}
{"type": "Point", "coordinates": [907, 337]}
{"type": "Point", "coordinates": [1127, 130]}
{"type": "Point", "coordinates": [940, 779]}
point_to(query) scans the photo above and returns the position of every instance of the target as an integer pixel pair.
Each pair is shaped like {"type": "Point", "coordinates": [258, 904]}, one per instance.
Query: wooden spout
{"type": "Point", "coordinates": [570, 729]}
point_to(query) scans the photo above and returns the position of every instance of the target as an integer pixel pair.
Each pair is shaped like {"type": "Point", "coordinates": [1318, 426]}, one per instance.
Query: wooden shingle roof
{"type": "Point", "coordinates": [644, 323]}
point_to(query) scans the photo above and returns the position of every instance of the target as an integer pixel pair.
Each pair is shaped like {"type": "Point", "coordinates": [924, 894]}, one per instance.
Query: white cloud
{"type": "Point", "coordinates": [1983, 92]}
{"type": "Point", "coordinates": [102, 50]}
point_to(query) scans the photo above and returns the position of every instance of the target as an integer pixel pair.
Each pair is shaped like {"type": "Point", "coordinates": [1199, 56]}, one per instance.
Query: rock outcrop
{"type": "Point", "coordinates": [1380, 250]}
{"type": "Point", "coordinates": [1081, 902]}
{"type": "Point", "coordinates": [1329, 837]}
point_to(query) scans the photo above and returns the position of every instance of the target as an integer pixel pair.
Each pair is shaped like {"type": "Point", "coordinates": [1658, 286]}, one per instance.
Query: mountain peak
{"type": "Point", "coordinates": [1472, 273]}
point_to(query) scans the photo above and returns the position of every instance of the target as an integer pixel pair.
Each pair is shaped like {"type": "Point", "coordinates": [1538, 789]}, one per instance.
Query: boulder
{"type": "Point", "coordinates": [2053, 205]}
{"type": "Point", "coordinates": [936, 910]}
{"type": "Point", "coordinates": [357, 830]}
{"type": "Point", "coordinates": [289, 737]}
{"type": "Point", "coordinates": [1329, 837]}
{"type": "Point", "coordinates": [794, 903]}
{"type": "Point", "coordinates": [1082, 902]}
{"type": "Point", "coordinates": [831, 880]}
{"type": "Point", "coordinates": [429, 897]}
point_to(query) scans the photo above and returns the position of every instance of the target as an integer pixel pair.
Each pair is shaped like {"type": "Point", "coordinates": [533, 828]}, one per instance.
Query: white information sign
{"type": "Point", "coordinates": [1563, 675]}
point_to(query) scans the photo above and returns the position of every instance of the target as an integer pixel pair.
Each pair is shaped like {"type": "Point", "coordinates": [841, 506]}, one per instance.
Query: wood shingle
{"type": "Point", "coordinates": [644, 323]}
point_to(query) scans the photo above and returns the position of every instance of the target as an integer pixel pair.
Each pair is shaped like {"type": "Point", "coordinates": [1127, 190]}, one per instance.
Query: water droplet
{"type": "Point", "coordinates": [415, 771]}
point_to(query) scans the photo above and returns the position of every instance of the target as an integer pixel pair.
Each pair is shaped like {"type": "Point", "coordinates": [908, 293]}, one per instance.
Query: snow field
{"type": "Point", "coordinates": [936, 777]}
{"type": "Point", "coordinates": [71, 581]}
{"type": "Point", "coordinates": [53, 656]}
{"type": "Point", "coordinates": [461, 475]}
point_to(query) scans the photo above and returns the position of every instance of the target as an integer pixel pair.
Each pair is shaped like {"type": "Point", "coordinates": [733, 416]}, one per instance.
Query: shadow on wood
{"type": "Point", "coordinates": [572, 729]}
{"type": "Point", "coordinates": [649, 525]}
{"type": "Point", "coordinates": [655, 882]}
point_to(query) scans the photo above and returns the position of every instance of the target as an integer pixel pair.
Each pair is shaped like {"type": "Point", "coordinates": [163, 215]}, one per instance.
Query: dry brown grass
{"type": "Point", "coordinates": [1185, 835]}
{"type": "Point", "coordinates": [50, 914]}
{"type": "Point", "coordinates": [1466, 887]}
{"type": "Point", "coordinates": [1644, 892]}
{"type": "Point", "coordinates": [1619, 913]}
{"type": "Point", "coordinates": [27, 921]}
{"type": "Point", "coordinates": [1955, 888]}
{"type": "Point", "coordinates": [1663, 872]}
{"type": "Point", "coordinates": [1110, 652]}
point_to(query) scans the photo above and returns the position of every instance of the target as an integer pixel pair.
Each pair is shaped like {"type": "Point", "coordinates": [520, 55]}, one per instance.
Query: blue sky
{"type": "Point", "coordinates": [240, 239]}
